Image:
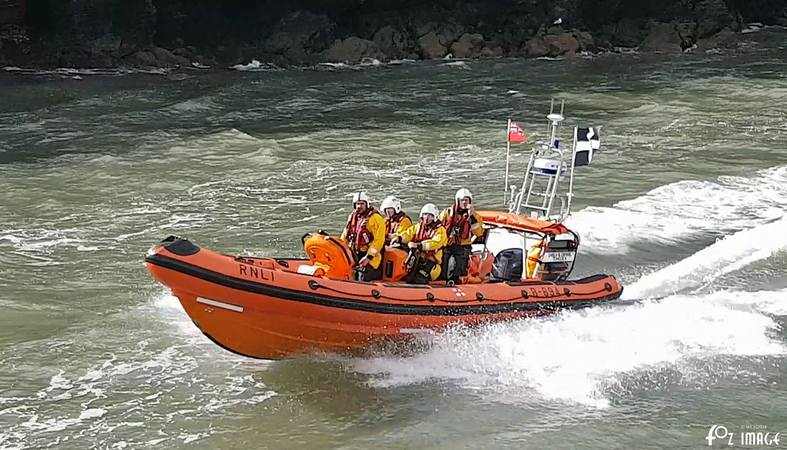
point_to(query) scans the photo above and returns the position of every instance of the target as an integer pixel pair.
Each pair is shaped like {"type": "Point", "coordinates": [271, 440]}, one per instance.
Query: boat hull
{"type": "Point", "coordinates": [255, 308]}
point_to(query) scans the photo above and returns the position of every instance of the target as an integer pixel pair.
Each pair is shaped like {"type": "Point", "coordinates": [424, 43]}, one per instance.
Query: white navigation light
{"type": "Point", "coordinates": [555, 117]}
{"type": "Point", "coordinates": [547, 165]}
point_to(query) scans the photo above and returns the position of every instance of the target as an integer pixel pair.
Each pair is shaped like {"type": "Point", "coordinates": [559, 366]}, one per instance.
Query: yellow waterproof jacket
{"type": "Point", "coordinates": [433, 247]}
{"type": "Point", "coordinates": [376, 226]}
{"type": "Point", "coordinates": [397, 227]}
{"type": "Point", "coordinates": [476, 229]}
{"type": "Point", "coordinates": [533, 257]}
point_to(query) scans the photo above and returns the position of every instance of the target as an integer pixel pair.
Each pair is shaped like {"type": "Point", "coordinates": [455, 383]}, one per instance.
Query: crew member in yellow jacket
{"type": "Point", "coordinates": [396, 220]}
{"type": "Point", "coordinates": [464, 225]}
{"type": "Point", "coordinates": [427, 239]}
{"type": "Point", "coordinates": [365, 234]}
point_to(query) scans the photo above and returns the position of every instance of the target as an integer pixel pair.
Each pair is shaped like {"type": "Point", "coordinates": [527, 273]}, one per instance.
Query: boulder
{"type": "Point", "coordinates": [352, 50]}
{"type": "Point", "coordinates": [551, 45]}
{"type": "Point", "coordinates": [536, 47]}
{"type": "Point", "coordinates": [513, 30]}
{"type": "Point", "coordinates": [392, 42]}
{"type": "Point", "coordinates": [555, 29]}
{"type": "Point", "coordinates": [186, 52]}
{"type": "Point", "coordinates": [662, 37]}
{"type": "Point", "coordinates": [448, 33]}
{"type": "Point", "coordinates": [143, 58]}
{"type": "Point", "coordinates": [468, 46]}
{"type": "Point", "coordinates": [491, 52]}
{"type": "Point", "coordinates": [300, 35]}
{"type": "Point", "coordinates": [430, 46]}
{"type": "Point", "coordinates": [585, 41]}
{"type": "Point", "coordinates": [712, 16]}
{"type": "Point", "coordinates": [724, 39]}
{"type": "Point", "coordinates": [166, 58]}
{"type": "Point", "coordinates": [563, 44]}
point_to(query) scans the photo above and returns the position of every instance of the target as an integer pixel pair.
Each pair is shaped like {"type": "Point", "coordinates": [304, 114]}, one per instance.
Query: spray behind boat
{"type": "Point", "coordinates": [547, 190]}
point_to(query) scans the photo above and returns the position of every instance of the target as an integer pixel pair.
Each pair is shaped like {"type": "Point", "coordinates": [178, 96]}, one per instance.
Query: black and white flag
{"type": "Point", "coordinates": [587, 142]}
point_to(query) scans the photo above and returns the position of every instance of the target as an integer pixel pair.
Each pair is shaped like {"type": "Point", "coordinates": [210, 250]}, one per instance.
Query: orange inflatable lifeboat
{"type": "Point", "coordinates": [278, 308]}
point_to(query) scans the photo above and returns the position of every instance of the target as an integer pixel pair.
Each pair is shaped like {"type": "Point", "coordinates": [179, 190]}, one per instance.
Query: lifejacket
{"type": "Point", "coordinates": [358, 235]}
{"type": "Point", "coordinates": [426, 232]}
{"type": "Point", "coordinates": [392, 223]}
{"type": "Point", "coordinates": [458, 222]}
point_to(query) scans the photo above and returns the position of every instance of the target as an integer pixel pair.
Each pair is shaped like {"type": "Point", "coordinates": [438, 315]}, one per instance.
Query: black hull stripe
{"type": "Point", "coordinates": [361, 305]}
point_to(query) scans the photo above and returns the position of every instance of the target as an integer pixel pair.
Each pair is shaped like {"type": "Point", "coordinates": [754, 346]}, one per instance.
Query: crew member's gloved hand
{"type": "Point", "coordinates": [414, 245]}
{"type": "Point", "coordinates": [364, 261]}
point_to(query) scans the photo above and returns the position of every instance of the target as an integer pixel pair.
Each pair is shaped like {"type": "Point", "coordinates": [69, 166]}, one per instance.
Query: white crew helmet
{"type": "Point", "coordinates": [430, 208]}
{"type": "Point", "coordinates": [391, 202]}
{"type": "Point", "coordinates": [462, 193]}
{"type": "Point", "coordinates": [360, 197]}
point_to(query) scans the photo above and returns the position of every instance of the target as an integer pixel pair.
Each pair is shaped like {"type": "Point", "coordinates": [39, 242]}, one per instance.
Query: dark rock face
{"type": "Point", "coordinates": [12, 11]}
{"type": "Point", "coordinates": [663, 37]}
{"type": "Point", "coordinates": [299, 36]}
{"type": "Point", "coordinates": [393, 42]}
{"type": "Point", "coordinates": [13, 32]}
{"type": "Point", "coordinates": [135, 22]}
{"type": "Point", "coordinates": [170, 33]}
{"type": "Point", "coordinates": [772, 12]}
{"type": "Point", "coordinates": [711, 16]}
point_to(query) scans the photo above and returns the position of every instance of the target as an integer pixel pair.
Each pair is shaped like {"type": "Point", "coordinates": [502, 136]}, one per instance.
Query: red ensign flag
{"type": "Point", "coordinates": [516, 133]}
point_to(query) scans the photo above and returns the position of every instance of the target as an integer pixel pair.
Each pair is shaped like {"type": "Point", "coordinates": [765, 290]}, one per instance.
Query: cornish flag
{"type": "Point", "coordinates": [516, 133]}
{"type": "Point", "coordinates": [587, 142]}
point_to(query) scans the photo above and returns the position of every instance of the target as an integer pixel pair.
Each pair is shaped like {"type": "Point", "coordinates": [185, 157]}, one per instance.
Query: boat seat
{"type": "Point", "coordinates": [394, 268]}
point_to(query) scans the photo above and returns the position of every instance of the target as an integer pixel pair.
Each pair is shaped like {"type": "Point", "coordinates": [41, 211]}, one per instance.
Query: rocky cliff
{"type": "Point", "coordinates": [47, 33]}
